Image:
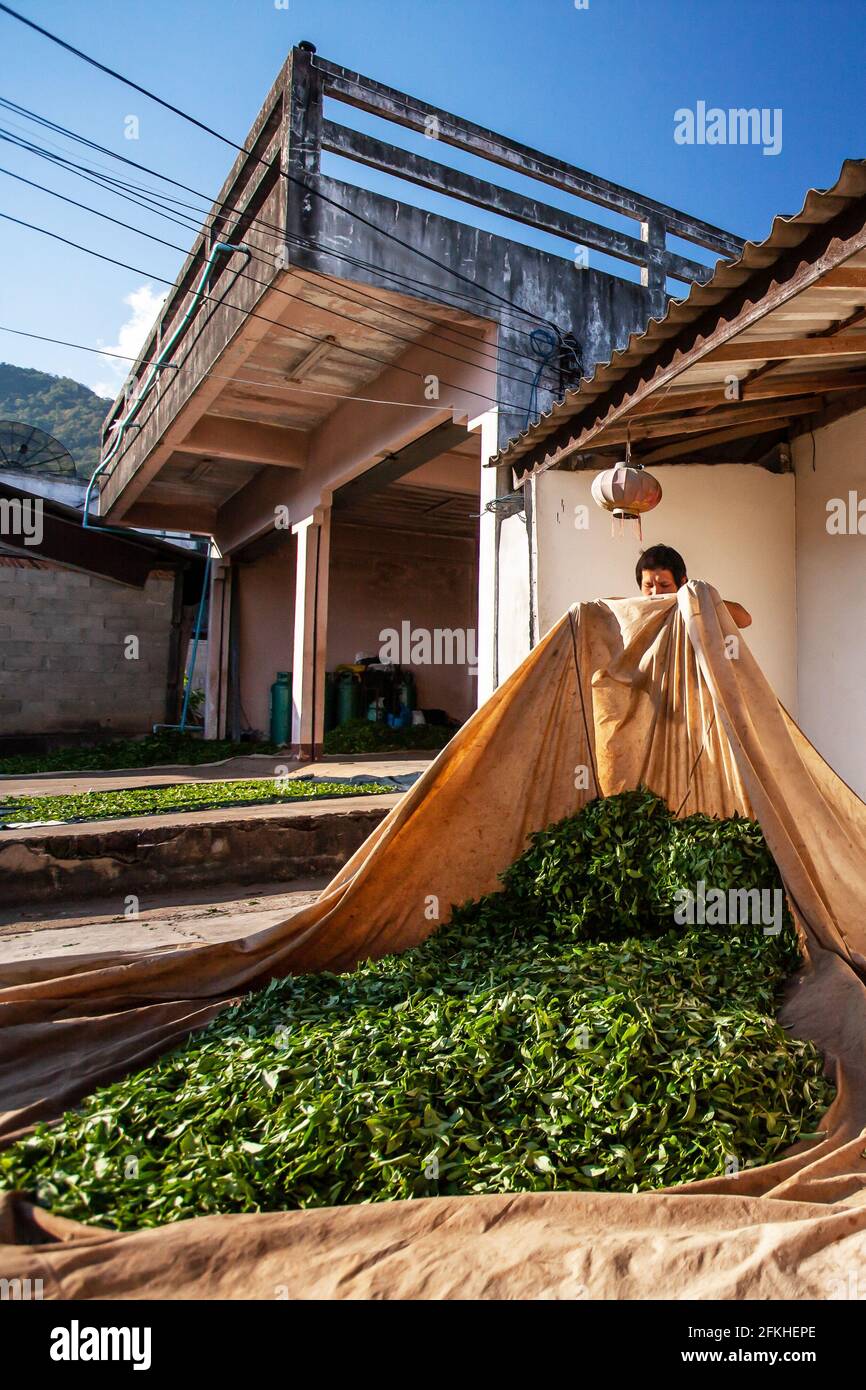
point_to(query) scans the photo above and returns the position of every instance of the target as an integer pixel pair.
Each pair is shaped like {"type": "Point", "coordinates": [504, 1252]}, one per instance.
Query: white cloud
{"type": "Point", "coordinates": [145, 304]}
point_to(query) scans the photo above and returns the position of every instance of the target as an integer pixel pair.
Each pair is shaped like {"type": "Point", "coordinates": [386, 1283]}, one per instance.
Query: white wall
{"type": "Point", "coordinates": [733, 524]}
{"type": "Point", "coordinates": [831, 590]}
{"type": "Point", "coordinates": [513, 595]}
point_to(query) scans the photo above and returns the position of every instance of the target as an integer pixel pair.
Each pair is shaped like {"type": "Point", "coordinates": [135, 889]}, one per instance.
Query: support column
{"type": "Point", "coordinates": [216, 697]}
{"type": "Point", "coordinates": [313, 536]}
{"type": "Point", "coordinates": [303, 159]}
{"type": "Point", "coordinates": [174, 674]}
{"type": "Point", "coordinates": [488, 544]}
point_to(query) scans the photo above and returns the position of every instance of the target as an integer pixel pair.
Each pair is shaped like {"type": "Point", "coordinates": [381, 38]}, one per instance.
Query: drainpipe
{"type": "Point", "coordinates": [156, 366]}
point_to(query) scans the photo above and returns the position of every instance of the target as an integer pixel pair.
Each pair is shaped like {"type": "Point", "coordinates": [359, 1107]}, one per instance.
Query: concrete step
{"type": "Point", "coordinates": [145, 854]}
{"type": "Point", "coordinates": [182, 917]}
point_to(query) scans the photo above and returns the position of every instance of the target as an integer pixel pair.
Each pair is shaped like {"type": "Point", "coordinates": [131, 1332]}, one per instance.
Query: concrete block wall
{"type": "Point", "coordinates": [380, 580]}
{"type": "Point", "coordinates": [62, 641]}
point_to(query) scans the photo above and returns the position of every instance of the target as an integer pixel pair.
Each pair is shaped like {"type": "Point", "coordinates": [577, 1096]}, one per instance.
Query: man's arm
{"type": "Point", "coordinates": [740, 615]}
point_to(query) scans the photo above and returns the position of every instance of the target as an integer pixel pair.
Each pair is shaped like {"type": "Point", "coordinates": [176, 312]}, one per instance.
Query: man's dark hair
{"type": "Point", "coordinates": [661, 557]}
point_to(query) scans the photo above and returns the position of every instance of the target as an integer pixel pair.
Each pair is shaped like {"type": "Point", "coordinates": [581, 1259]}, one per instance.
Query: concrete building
{"type": "Point", "coordinates": [748, 403]}
{"type": "Point", "coordinates": [336, 367]}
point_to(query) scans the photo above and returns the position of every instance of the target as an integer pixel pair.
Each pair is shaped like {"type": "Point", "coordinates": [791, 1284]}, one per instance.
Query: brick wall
{"type": "Point", "coordinates": [62, 640]}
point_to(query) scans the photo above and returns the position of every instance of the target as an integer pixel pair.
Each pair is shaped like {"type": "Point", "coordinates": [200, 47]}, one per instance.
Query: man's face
{"type": "Point", "coordinates": [655, 582]}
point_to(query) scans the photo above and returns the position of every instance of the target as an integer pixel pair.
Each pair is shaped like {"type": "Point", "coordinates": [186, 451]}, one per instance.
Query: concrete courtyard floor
{"type": "Point", "coordinates": [181, 918]}
{"type": "Point", "coordinates": [259, 766]}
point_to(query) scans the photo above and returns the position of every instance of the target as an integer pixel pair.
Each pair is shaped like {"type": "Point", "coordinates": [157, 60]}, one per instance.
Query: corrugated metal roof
{"type": "Point", "coordinates": [787, 232]}
{"type": "Point", "coordinates": [24, 562]}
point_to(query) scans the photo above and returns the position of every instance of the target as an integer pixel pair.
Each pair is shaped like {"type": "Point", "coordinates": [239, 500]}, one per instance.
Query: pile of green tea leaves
{"type": "Point", "coordinates": [367, 736]}
{"type": "Point", "coordinates": [563, 1033]}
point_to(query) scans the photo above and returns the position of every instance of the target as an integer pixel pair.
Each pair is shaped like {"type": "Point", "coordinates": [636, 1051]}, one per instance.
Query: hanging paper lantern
{"type": "Point", "coordinates": [626, 492]}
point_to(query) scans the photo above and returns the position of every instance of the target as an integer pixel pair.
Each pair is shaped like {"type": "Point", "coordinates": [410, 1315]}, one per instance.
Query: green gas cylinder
{"type": "Point", "coordinates": [281, 708]}
{"type": "Point", "coordinates": [349, 698]}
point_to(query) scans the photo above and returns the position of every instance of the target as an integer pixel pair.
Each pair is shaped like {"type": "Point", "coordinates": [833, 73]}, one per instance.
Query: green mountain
{"type": "Point", "coordinates": [72, 413]}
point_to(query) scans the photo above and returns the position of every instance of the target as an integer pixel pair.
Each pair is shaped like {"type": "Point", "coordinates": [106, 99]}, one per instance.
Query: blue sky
{"type": "Point", "coordinates": [596, 86]}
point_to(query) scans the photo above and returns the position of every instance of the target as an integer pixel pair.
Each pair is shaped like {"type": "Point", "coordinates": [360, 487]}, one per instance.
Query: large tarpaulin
{"type": "Point", "coordinates": [660, 692]}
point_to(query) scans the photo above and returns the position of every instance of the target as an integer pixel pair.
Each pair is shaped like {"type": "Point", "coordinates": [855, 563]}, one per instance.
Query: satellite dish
{"type": "Point", "coordinates": [25, 449]}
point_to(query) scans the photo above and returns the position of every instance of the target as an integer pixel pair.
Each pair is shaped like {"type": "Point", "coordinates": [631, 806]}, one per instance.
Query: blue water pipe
{"type": "Point", "coordinates": [127, 421]}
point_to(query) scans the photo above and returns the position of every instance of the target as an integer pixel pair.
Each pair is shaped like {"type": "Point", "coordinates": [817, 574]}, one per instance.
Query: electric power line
{"type": "Point", "coordinates": [250, 313]}
{"type": "Point", "coordinates": [207, 213]}
{"type": "Point", "coordinates": [438, 329]}
{"type": "Point", "coordinates": [241, 149]}
{"type": "Point", "coordinates": [222, 376]}
{"type": "Point", "coordinates": [494, 371]}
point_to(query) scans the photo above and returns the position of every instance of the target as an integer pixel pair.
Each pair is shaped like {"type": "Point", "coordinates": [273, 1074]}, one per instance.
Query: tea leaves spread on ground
{"type": "Point", "coordinates": [563, 1033]}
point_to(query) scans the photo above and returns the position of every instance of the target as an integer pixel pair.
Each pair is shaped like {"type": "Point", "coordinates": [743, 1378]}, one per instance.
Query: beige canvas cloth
{"type": "Point", "coordinates": [640, 691]}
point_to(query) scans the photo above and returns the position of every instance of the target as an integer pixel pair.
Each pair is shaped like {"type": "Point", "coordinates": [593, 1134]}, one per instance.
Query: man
{"type": "Point", "coordinates": [662, 570]}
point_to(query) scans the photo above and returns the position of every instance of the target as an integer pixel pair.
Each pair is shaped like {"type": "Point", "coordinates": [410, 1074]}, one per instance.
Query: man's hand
{"type": "Point", "coordinates": [741, 616]}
